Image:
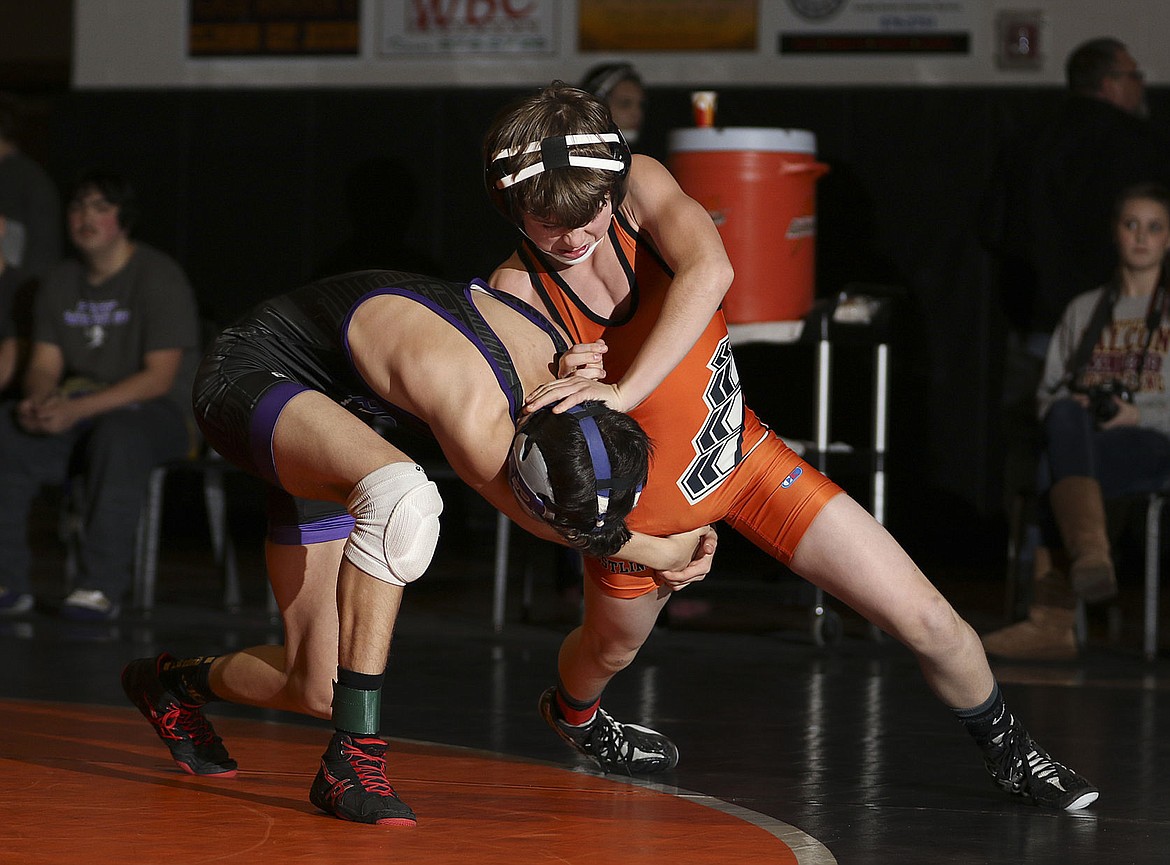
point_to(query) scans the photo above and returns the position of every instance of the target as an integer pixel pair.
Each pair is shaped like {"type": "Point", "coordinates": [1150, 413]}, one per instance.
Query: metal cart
{"type": "Point", "coordinates": [855, 316]}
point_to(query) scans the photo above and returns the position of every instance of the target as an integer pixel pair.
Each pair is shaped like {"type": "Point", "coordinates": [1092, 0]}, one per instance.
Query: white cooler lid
{"type": "Point", "coordinates": [742, 138]}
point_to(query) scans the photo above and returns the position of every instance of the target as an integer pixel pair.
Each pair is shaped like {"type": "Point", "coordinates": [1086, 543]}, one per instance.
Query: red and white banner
{"type": "Point", "coordinates": [469, 26]}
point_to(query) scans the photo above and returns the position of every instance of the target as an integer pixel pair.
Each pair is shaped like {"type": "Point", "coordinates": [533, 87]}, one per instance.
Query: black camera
{"type": "Point", "coordinates": [1101, 404]}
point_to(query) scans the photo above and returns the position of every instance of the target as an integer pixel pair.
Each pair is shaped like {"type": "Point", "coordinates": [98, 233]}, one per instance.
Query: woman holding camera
{"type": "Point", "coordinates": [1104, 405]}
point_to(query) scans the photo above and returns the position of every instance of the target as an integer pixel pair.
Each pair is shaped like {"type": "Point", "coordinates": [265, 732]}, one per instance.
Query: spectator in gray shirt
{"type": "Point", "coordinates": [105, 396]}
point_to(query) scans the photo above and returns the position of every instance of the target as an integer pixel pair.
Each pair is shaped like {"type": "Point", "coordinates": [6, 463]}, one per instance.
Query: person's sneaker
{"type": "Point", "coordinates": [352, 785]}
{"type": "Point", "coordinates": [89, 605]}
{"type": "Point", "coordinates": [14, 603]}
{"type": "Point", "coordinates": [1021, 767]}
{"type": "Point", "coordinates": [184, 730]}
{"type": "Point", "coordinates": [628, 748]}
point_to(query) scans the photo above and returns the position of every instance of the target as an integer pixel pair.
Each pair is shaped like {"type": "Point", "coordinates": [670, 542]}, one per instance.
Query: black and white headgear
{"type": "Point", "coordinates": [557, 151]}
{"type": "Point", "coordinates": [529, 477]}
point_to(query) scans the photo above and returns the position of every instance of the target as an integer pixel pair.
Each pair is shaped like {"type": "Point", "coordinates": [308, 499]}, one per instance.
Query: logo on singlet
{"type": "Point", "coordinates": [615, 566]}
{"type": "Point", "coordinates": [360, 405]}
{"type": "Point", "coordinates": [719, 443]}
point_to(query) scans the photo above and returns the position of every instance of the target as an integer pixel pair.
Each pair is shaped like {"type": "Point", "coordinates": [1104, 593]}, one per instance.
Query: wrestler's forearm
{"type": "Point", "coordinates": [663, 554]}
{"type": "Point", "coordinates": [683, 319]}
{"type": "Point", "coordinates": [670, 553]}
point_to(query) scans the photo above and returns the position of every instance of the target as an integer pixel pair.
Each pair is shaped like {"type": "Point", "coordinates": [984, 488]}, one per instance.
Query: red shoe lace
{"type": "Point", "coordinates": [189, 724]}
{"type": "Point", "coordinates": [370, 768]}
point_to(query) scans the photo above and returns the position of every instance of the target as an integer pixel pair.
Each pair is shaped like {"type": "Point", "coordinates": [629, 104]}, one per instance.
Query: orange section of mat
{"type": "Point", "coordinates": [93, 784]}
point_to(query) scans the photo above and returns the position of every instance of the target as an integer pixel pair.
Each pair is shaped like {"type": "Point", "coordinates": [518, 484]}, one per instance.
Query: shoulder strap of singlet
{"type": "Point", "coordinates": [640, 240]}
{"type": "Point", "coordinates": [494, 350]}
{"type": "Point", "coordinates": [530, 312]}
{"type": "Point", "coordinates": [538, 269]}
{"type": "Point", "coordinates": [535, 264]}
{"type": "Point", "coordinates": [535, 268]}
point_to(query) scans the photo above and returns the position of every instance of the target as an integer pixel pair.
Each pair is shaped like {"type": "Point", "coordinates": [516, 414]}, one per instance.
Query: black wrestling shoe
{"type": "Point", "coordinates": [627, 748]}
{"type": "Point", "coordinates": [182, 727]}
{"type": "Point", "coordinates": [351, 783]}
{"type": "Point", "coordinates": [1022, 768]}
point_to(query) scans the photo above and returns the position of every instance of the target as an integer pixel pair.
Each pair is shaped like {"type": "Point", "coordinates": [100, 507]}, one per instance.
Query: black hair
{"type": "Point", "coordinates": [114, 188]}
{"type": "Point", "coordinates": [1090, 64]}
{"type": "Point", "coordinates": [571, 474]}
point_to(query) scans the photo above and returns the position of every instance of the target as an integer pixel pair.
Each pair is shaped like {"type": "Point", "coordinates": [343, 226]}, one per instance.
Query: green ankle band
{"type": "Point", "coordinates": [356, 711]}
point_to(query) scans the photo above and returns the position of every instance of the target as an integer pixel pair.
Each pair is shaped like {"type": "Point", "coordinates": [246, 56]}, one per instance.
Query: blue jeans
{"type": "Point", "coordinates": [115, 453]}
{"type": "Point", "coordinates": [1128, 460]}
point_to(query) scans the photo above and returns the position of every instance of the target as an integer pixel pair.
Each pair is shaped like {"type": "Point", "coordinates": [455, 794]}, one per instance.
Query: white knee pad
{"type": "Point", "coordinates": [396, 512]}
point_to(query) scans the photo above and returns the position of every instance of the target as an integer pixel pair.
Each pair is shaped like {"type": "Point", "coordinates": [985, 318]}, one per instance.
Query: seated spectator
{"type": "Point", "coordinates": [30, 201]}
{"type": "Point", "coordinates": [106, 395]}
{"type": "Point", "coordinates": [1045, 219]}
{"type": "Point", "coordinates": [1105, 413]}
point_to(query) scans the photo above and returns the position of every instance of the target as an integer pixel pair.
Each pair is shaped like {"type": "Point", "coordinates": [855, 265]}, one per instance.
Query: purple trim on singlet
{"type": "Point", "coordinates": [263, 424]}
{"type": "Point", "coordinates": [523, 308]}
{"type": "Point", "coordinates": [501, 378]}
{"type": "Point", "coordinates": [320, 531]}
{"type": "Point", "coordinates": [262, 427]}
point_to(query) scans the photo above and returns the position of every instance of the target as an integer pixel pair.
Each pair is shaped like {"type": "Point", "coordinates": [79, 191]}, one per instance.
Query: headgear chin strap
{"type": "Point", "coordinates": [528, 471]}
{"type": "Point", "coordinates": [564, 259]}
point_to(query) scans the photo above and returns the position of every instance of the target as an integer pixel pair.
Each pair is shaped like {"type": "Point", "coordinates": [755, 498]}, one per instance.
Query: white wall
{"type": "Point", "coordinates": [142, 43]}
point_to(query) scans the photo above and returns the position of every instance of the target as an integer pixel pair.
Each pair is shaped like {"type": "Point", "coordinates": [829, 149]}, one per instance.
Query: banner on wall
{"type": "Point", "coordinates": [666, 25]}
{"type": "Point", "coordinates": [875, 27]}
{"type": "Point", "coordinates": [469, 26]}
{"type": "Point", "coordinates": [271, 28]}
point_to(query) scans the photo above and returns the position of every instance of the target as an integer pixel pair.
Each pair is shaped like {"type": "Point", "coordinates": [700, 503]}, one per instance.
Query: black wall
{"type": "Point", "coordinates": [248, 190]}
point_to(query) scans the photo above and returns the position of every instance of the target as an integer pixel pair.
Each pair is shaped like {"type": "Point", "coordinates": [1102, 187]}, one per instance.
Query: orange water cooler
{"type": "Point", "coordinates": [759, 185]}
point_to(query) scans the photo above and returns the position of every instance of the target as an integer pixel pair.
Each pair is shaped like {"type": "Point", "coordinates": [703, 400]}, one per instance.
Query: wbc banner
{"type": "Point", "coordinates": [468, 26]}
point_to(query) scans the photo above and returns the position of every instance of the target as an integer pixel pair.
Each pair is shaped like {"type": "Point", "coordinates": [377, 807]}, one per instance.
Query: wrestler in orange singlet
{"type": "Point", "coordinates": [616, 251]}
{"type": "Point", "coordinates": [713, 460]}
